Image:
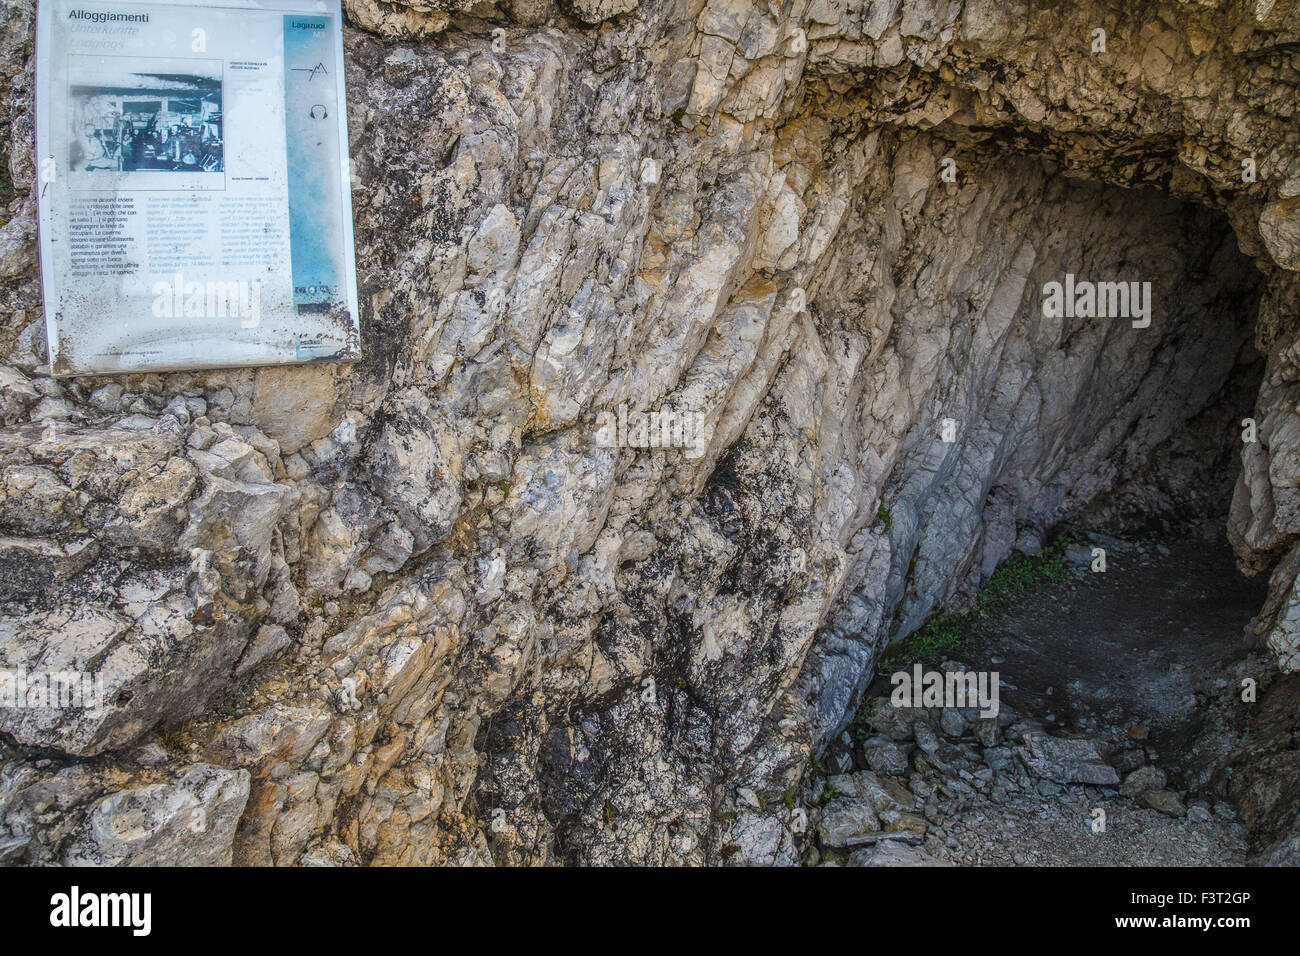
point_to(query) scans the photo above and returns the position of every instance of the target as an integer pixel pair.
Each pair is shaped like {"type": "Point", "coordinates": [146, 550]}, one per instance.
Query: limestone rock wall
{"type": "Point", "coordinates": [412, 610]}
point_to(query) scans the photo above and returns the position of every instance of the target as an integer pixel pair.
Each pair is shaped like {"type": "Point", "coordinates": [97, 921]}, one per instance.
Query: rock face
{"type": "Point", "coordinates": [156, 825]}
{"type": "Point", "coordinates": [411, 611]}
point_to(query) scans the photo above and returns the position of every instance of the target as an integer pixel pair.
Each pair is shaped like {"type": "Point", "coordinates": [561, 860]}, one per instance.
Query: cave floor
{"type": "Point", "coordinates": [1119, 694]}
{"type": "Point", "coordinates": [1139, 648]}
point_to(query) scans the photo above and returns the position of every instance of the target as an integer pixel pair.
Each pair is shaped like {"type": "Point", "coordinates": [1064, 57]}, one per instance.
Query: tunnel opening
{"type": "Point", "coordinates": [1104, 594]}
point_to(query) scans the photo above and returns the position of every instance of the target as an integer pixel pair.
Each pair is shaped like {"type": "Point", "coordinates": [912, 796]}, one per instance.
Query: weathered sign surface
{"type": "Point", "coordinates": [194, 204]}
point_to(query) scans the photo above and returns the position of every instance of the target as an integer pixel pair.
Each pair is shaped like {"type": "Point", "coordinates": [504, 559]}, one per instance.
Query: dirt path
{"type": "Point", "coordinates": [1139, 645]}
{"type": "Point", "coordinates": [1112, 687]}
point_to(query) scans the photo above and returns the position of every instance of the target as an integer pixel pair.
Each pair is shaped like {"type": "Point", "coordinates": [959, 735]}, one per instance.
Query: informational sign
{"type": "Point", "coordinates": [194, 190]}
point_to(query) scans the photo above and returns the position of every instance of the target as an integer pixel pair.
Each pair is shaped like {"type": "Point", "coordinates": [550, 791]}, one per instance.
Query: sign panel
{"type": "Point", "coordinates": [194, 191]}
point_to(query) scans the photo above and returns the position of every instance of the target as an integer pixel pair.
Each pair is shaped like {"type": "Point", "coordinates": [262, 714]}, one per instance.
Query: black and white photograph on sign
{"type": "Point", "coordinates": [127, 120]}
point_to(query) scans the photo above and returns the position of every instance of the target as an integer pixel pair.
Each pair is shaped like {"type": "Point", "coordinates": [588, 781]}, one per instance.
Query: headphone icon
{"type": "Point", "coordinates": [323, 113]}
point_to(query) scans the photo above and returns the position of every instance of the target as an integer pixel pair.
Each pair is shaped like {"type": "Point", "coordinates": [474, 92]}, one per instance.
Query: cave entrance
{"type": "Point", "coordinates": [1134, 619]}
{"type": "Point", "coordinates": [1131, 622]}
{"type": "Point", "coordinates": [1117, 628]}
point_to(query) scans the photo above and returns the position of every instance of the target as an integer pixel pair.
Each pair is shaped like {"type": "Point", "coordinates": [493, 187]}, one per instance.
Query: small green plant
{"type": "Point", "coordinates": [830, 792]}
{"type": "Point", "coordinates": [860, 726]}
{"type": "Point", "coordinates": [941, 635]}
{"type": "Point", "coordinates": [884, 517]}
{"type": "Point", "coordinates": [934, 641]}
{"type": "Point", "coordinates": [1020, 574]}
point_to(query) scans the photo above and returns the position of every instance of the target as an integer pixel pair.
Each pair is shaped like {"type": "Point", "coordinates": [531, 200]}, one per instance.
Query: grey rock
{"type": "Point", "coordinates": [657, 210]}
{"type": "Point", "coordinates": [1143, 779]}
{"type": "Point", "coordinates": [595, 11]}
{"type": "Point", "coordinates": [1166, 801]}
{"type": "Point", "coordinates": [34, 566]}
{"type": "Point", "coordinates": [894, 853]}
{"type": "Point", "coordinates": [189, 821]}
{"type": "Point", "coordinates": [844, 820]}
{"type": "Point", "coordinates": [401, 66]}
{"type": "Point", "coordinates": [926, 738]}
{"type": "Point", "coordinates": [328, 853]}
{"type": "Point", "coordinates": [269, 641]}
{"type": "Point", "coordinates": [12, 849]}
{"type": "Point", "coordinates": [1066, 761]}
{"type": "Point", "coordinates": [17, 395]}
{"type": "Point", "coordinates": [1126, 761]}
{"type": "Point", "coordinates": [1078, 555]}
{"type": "Point", "coordinates": [884, 794]}
{"type": "Point", "coordinates": [952, 722]}
{"type": "Point", "coordinates": [987, 731]}
{"type": "Point", "coordinates": [889, 721]}
{"type": "Point", "coordinates": [886, 756]}
{"type": "Point", "coordinates": [119, 671]}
